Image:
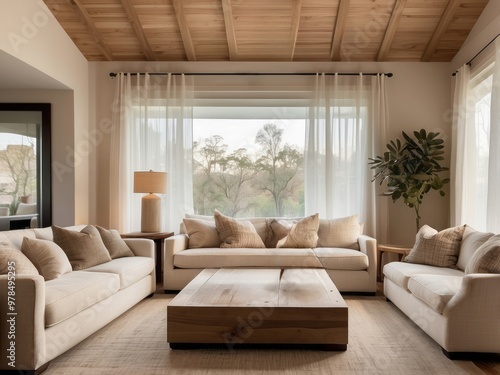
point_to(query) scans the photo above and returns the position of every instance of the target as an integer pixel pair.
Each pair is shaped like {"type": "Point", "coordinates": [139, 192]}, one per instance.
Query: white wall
{"type": "Point", "coordinates": [31, 35]}
{"type": "Point", "coordinates": [419, 97]}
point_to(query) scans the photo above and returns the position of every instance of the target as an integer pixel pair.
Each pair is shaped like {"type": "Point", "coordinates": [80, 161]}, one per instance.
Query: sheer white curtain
{"type": "Point", "coordinates": [152, 131]}
{"type": "Point", "coordinates": [476, 143]}
{"type": "Point", "coordinates": [346, 125]}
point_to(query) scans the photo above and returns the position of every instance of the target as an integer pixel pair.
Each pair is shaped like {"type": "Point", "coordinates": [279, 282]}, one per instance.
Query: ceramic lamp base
{"type": "Point", "coordinates": [151, 213]}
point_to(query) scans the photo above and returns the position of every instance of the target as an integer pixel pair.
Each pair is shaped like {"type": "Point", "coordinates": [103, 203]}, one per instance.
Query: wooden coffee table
{"type": "Point", "coordinates": [244, 307]}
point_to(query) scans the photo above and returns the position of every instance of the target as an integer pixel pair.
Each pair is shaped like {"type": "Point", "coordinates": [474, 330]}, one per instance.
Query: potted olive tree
{"type": "Point", "coordinates": [411, 168]}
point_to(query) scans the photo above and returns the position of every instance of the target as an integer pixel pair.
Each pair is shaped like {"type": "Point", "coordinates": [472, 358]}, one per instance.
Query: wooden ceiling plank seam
{"type": "Point", "coordinates": [139, 31]}
{"type": "Point", "coordinates": [184, 29]}
{"type": "Point", "coordinates": [99, 39]}
{"type": "Point", "coordinates": [296, 13]}
{"type": "Point", "coordinates": [390, 31]}
{"type": "Point", "coordinates": [338, 32]}
{"type": "Point", "coordinates": [232, 44]}
{"type": "Point", "coordinates": [441, 28]}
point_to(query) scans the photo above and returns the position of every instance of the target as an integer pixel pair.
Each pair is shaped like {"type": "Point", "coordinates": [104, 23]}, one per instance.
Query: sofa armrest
{"type": "Point", "coordinates": [28, 325]}
{"type": "Point", "coordinates": [368, 245]}
{"type": "Point", "coordinates": [141, 247]}
{"type": "Point", "coordinates": [171, 246]}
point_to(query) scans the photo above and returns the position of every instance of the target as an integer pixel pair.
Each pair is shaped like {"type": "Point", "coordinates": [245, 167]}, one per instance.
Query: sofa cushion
{"type": "Point", "coordinates": [130, 269]}
{"type": "Point", "coordinates": [434, 290]}
{"type": "Point", "coordinates": [15, 237]}
{"type": "Point", "coordinates": [49, 259]}
{"type": "Point", "coordinates": [76, 291]}
{"type": "Point", "coordinates": [487, 258]}
{"type": "Point", "coordinates": [341, 259]}
{"type": "Point", "coordinates": [300, 234]}
{"type": "Point", "coordinates": [400, 272]}
{"type": "Point", "coordinates": [117, 248]}
{"type": "Point", "coordinates": [470, 243]}
{"type": "Point", "coordinates": [84, 249]}
{"type": "Point", "coordinates": [234, 233]}
{"type": "Point", "coordinates": [341, 232]}
{"type": "Point", "coordinates": [202, 233]}
{"type": "Point", "coordinates": [245, 257]}
{"type": "Point", "coordinates": [13, 260]}
{"type": "Point", "coordinates": [436, 248]}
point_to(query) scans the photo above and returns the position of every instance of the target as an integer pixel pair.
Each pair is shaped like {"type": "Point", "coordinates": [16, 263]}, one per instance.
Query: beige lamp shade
{"type": "Point", "coordinates": [150, 182]}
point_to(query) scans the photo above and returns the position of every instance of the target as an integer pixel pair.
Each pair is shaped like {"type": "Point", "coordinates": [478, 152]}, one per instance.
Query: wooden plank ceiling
{"type": "Point", "coordinates": [267, 30]}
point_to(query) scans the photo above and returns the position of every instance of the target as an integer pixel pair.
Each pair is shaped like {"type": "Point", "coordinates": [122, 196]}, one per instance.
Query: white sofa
{"type": "Point", "coordinates": [458, 308]}
{"type": "Point", "coordinates": [55, 315]}
{"type": "Point", "coordinates": [348, 256]}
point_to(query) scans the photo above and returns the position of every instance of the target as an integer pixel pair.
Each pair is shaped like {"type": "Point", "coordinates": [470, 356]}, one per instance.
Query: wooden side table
{"type": "Point", "coordinates": [158, 238]}
{"type": "Point", "coordinates": [402, 252]}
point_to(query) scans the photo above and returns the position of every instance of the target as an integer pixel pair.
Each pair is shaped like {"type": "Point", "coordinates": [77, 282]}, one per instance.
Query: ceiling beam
{"type": "Point", "coordinates": [390, 31]}
{"type": "Point", "coordinates": [296, 11]}
{"type": "Point", "coordinates": [232, 46]}
{"type": "Point", "coordinates": [85, 17]}
{"type": "Point", "coordinates": [338, 32]}
{"type": "Point", "coordinates": [441, 28]}
{"type": "Point", "coordinates": [185, 33]}
{"type": "Point", "coordinates": [139, 31]}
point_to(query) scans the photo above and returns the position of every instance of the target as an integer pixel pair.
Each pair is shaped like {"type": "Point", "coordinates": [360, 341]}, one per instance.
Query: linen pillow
{"type": "Point", "coordinates": [277, 229]}
{"type": "Point", "coordinates": [470, 243]}
{"type": "Point", "coordinates": [487, 258]}
{"type": "Point", "coordinates": [342, 232]}
{"type": "Point", "coordinates": [302, 234]}
{"type": "Point", "coordinates": [234, 233]}
{"type": "Point", "coordinates": [117, 248]}
{"type": "Point", "coordinates": [437, 248]}
{"type": "Point", "coordinates": [48, 258]}
{"type": "Point", "coordinates": [202, 233]}
{"type": "Point", "coordinates": [11, 259]}
{"type": "Point", "coordinates": [84, 249]}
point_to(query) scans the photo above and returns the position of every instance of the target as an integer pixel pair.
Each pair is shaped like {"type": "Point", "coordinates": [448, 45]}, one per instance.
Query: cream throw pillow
{"type": "Point", "coordinates": [84, 249]}
{"type": "Point", "coordinates": [202, 233]}
{"type": "Point", "coordinates": [49, 259]}
{"type": "Point", "coordinates": [435, 248]}
{"type": "Point", "coordinates": [13, 260]}
{"type": "Point", "coordinates": [471, 241]}
{"type": "Point", "coordinates": [301, 234]}
{"type": "Point", "coordinates": [117, 248]}
{"type": "Point", "coordinates": [342, 232]}
{"type": "Point", "coordinates": [487, 258]}
{"type": "Point", "coordinates": [234, 233]}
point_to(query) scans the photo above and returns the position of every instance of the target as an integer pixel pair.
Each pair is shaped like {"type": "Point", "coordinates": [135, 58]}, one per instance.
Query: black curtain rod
{"type": "Point", "coordinates": [477, 54]}
{"type": "Point", "coordinates": [255, 74]}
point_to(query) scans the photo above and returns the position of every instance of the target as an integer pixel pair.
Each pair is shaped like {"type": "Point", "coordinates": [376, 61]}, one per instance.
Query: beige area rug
{"type": "Point", "coordinates": [381, 341]}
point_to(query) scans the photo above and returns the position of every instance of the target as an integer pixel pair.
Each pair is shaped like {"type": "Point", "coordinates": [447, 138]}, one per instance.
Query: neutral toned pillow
{"type": "Point", "coordinates": [84, 249]}
{"type": "Point", "coordinates": [277, 229]}
{"type": "Point", "coordinates": [202, 233]}
{"type": "Point", "coordinates": [302, 234]}
{"type": "Point", "coordinates": [487, 258]}
{"type": "Point", "coordinates": [342, 232]}
{"type": "Point", "coordinates": [49, 259]}
{"type": "Point", "coordinates": [470, 243]}
{"type": "Point", "coordinates": [117, 248]}
{"type": "Point", "coordinates": [13, 260]}
{"type": "Point", "coordinates": [436, 248]}
{"type": "Point", "coordinates": [234, 233]}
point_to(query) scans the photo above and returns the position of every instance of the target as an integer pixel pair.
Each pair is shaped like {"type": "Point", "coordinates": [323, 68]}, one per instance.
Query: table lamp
{"type": "Point", "coordinates": [150, 182]}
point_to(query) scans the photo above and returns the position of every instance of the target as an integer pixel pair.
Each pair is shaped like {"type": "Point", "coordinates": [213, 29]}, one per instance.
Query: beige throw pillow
{"type": "Point", "coordinates": [342, 232]}
{"type": "Point", "coordinates": [487, 258]}
{"type": "Point", "coordinates": [302, 234]}
{"type": "Point", "coordinates": [49, 259]}
{"type": "Point", "coordinates": [202, 233]}
{"type": "Point", "coordinates": [277, 229]}
{"type": "Point", "coordinates": [436, 248]}
{"type": "Point", "coordinates": [13, 260]}
{"type": "Point", "coordinates": [234, 233]}
{"type": "Point", "coordinates": [84, 249]}
{"type": "Point", "coordinates": [471, 241]}
{"type": "Point", "coordinates": [117, 248]}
